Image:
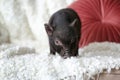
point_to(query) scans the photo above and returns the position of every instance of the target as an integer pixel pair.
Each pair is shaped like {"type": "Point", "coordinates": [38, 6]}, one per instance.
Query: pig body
{"type": "Point", "coordinates": [64, 30]}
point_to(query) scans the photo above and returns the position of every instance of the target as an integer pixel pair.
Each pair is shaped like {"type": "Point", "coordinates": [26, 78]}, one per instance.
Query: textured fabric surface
{"type": "Point", "coordinates": [23, 63]}
{"type": "Point", "coordinates": [100, 20]}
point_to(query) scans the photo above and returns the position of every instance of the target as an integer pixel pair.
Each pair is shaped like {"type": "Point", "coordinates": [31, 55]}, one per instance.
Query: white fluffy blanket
{"type": "Point", "coordinates": [23, 63]}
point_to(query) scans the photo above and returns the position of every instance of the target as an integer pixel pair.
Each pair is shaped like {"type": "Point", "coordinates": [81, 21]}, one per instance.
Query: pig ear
{"type": "Point", "coordinates": [73, 23]}
{"type": "Point", "coordinates": [48, 29]}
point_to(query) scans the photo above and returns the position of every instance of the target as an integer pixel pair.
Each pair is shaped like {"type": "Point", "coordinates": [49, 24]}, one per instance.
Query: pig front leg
{"type": "Point", "coordinates": [52, 51]}
{"type": "Point", "coordinates": [52, 46]}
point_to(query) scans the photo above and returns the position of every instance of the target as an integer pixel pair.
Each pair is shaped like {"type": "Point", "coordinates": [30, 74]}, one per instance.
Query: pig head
{"type": "Point", "coordinates": [64, 30]}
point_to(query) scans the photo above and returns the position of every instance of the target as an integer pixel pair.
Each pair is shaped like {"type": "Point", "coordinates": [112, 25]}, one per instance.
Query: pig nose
{"type": "Point", "coordinates": [67, 51]}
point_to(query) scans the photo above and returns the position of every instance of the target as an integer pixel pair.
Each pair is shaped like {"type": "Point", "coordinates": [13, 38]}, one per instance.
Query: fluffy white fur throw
{"type": "Point", "coordinates": [23, 63]}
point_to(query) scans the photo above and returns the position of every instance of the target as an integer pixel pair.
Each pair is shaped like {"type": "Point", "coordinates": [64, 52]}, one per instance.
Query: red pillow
{"type": "Point", "coordinates": [100, 20]}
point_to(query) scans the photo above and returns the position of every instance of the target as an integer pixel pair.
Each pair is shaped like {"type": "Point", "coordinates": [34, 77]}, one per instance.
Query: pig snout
{"type": "Point", "coordinates": [70, 52]}
{"type": "Point", "coordinates": [65, 53]}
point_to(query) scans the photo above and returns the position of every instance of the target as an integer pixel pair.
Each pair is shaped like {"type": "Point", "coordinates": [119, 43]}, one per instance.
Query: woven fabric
{"type": "Point", "coordinates": [100, 20]}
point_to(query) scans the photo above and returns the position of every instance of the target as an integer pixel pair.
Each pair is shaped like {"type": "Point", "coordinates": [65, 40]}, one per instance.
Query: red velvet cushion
{"type": "Point", "coordinates": [100, 20]}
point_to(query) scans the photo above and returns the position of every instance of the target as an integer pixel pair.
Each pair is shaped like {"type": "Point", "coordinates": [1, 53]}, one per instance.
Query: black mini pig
{"type": "Point", "coordinates": [64, 31]}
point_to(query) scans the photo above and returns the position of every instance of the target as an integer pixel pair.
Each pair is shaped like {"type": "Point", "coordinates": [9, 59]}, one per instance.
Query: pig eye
{"type": "Point", "coordinates": [57, 42]}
